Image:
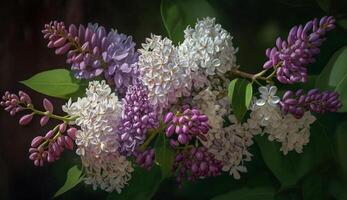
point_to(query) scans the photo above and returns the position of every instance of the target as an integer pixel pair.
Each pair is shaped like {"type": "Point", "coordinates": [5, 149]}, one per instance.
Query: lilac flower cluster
{"type": "Point", "coordinates": [186, 125]}
{"type": "Point", "coordinates": [314, 100]}
{"type": "Point", "coordinates": [138, 116]}
{"type": "Point", "coordinates": [91, 52]}
{"type": "Point", "coordinates": [145, 159]}
{"type": "Point", "coordinates": [196, 163]}
{"type": "Point", "coordinates": [49, 148]}
{"type": "Point", "coordinates": [14, 103]}
{"type": "Point", "coordinates": [290, 57]}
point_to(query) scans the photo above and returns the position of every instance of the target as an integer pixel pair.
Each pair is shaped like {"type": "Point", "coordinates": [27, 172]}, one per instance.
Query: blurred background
{"type": "Point", "coordinates": [254, 24]}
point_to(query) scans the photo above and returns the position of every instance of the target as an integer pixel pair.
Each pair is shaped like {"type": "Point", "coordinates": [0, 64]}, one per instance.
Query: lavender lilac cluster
{"type": "Point", "coordinates": [314, 100]}
{"type": "Point", "coordinates": [91, 52]}
{"type": "Point", "coordinates": [138, 116]}
{"type": "Point", "coordinates": [50, 147]}
{"type": "Point", "coordinates": [290, 57]}
{"type": "Point", "coordinates": [145, 159]}
{"type": "Point", "coordinates": [186, 125]}
{"type": "Point", "coordinates": [196, 163]}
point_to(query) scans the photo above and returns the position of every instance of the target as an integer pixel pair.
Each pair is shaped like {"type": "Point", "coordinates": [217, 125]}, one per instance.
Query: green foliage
{"type": "Point", "coordinates": [313, 188]}
{"type": "Point", "coordinates": [324, 5]}
{"type": "Point", "coordinates": [57, 83]}
{"type": "Point", "coordinates": [164, 155]}
{"type": "Point", "coordinates": [334, 76]}
{"type": "Point", "coordinates": [290, 169]}
{"type": "Point", "coordinates": [264, 193]}
{"type": "Point", "coordinates": [178, 14]}
{"type": "Point", "coordinates": [341, 145]}
{"type": "Point", "coordinates": [240, 93]}
{"type": "Point", "coordinates": [142, 186]}
{"type": "Point", "coordinates": [74, 177]}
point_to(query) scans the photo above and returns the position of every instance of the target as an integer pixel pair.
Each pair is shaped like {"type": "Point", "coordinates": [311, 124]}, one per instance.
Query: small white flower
{"type": "Point", "coordinates": [267, 95]}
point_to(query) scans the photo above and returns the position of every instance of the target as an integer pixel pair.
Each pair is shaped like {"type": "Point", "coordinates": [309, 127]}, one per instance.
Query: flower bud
{"type": "Point", "coordinates": [26, 119]}
{"type": "Point", "coordinates": [47, 104]}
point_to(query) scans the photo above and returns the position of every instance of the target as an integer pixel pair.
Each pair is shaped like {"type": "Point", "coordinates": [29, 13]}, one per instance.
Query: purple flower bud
{"type": "Point", "coordinates": [71, 132]}
{"type": "Point", "coordinates": [44, 120]}
{"type": "Point", "coordinates": [26, 119]}
{"type": "Point", "coordinates": [48, 105]}
{"type": "Point", "coordinates": [49, 134]}
{"type": "Point", "coordinates": [62, 127]}
{"type": "Point", "coordinates": [37, 141]}
{"type": "Point", "coordinates": [168, 117]}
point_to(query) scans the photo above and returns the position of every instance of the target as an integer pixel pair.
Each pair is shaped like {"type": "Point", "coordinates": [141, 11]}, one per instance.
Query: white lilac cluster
{"type": "Point", "coordinates": [162, 72]}
{"type": "Point", "coordinates": [228, 144]}
{"type": "Point", "coordinates": [98, 115]}
{"type": "Point", "coordinates": [208, 50]}
{"type": "Point", "coordinates": [291, 132]}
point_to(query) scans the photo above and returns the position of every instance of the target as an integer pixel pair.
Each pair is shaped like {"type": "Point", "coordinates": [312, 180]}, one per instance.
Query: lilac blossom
{"type": "Point", "coordinates": [290, 57]}
{"type": "Point", "coordinates": [138, 116]}
{"type": "Point", "coordinates": [51, 146]}
{"type": "Point", "coordinates": [314, 101]}
{"type": "Point", "coordinates": [186, 125]}
{"type": "Point", "coordinates": [196, 163]}
{"type": "Point", "coordinates": [91, 52]}
{"type": "Point", "coordinates": [145, 159]}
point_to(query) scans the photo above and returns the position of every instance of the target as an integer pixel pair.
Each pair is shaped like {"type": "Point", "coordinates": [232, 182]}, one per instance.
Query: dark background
{"type": "Point", "coordinates": [254, 24]}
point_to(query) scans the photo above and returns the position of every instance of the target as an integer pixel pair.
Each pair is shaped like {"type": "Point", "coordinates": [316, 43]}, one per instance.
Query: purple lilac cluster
{"type": "Point", "coordinates": [196, 163]}
{"type": "Point", "coordinates": [138, 116]}
{"type": "Point", "coordinates": [49, 148]}
{"type": "Point", "coordinates": [91, 52]}
{"type": "Point", "coordinates": [145, 159]}
{"type": "Point", "coordinates": [314, 100]}
{"type": "Point", "coordinates": [186, 124]}
{"type": "Point", "coordinates": [15, 103]}
{"type": "Point", "coordinates": [290, 57]}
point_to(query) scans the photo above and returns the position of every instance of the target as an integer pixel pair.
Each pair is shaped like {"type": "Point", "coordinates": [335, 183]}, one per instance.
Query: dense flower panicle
{"type": "Point", "coordinates": [293, 133]}
{"type": "Point", "coordinates": [186, 125]}
{"type": "Point", "coordinates": [290, 57]}
{"type": "Point", "coordinates": [91, 51]}
{"type": "Point", "coordinates": [138, 116]}
{"type": "Point", "coordinates": [145, 159]}
{"type": "Point", "coordinates": [228, 144]}
{"type": "Point", "coordinates": [162, 72]}
{"type": "Point", "coordinates": [98, 115]}
{"type": "Point", "coordinates": [196, 163]}
{"type": "Point", "coordinates": [315, 101]}
{"type": "Point", "coordinates": [207, 49]}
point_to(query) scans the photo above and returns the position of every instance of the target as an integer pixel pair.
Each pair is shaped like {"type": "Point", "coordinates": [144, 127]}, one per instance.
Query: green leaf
{"type": "Point", "coordinates": [324, 4]}
{"type": "Point", "coordinates": [240, 93]}
{"type": "Point", "coordinates": [72, 179]}
{"type": "Point", "coordinates": [178, 14]}
{"type": "Point", "coordinates": [57, 83]}
{"type": "Point", "coordinates": [142, 185]}
{"type": "Point", "coordinates": [341, 145]}
{"type": "Point", "coordinates": [334, 76]}
{"type": "Point", "coordinates": [263, 193]}
{"type": "Point", "coordinates": [291, 168]}
{"type": "Point", "coordinates": [164, 155]}
{"type": "Point", "coordinates": [313, 188]}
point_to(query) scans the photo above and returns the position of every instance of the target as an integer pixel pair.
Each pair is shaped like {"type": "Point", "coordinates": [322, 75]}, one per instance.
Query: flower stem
{"type": "Point", "coordinates": [66, 118]}
{"type": "Point", "coordinates": [152, 134]}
